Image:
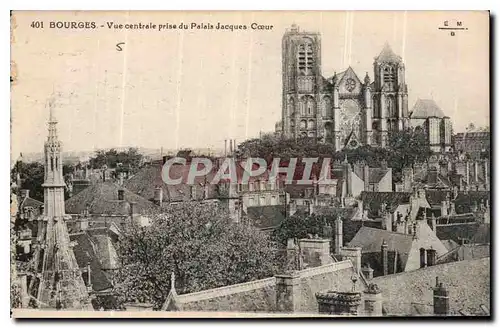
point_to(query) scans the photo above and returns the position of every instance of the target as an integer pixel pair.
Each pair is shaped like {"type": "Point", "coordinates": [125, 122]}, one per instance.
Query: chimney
{"type": "Point", "coordinates": [444, 208]}
{"type": "Point", "coordinates": [452, 208]}
{"type": "Point", "coordinates": [353, 254]}
{"type": "Point", "coordinates": [431, 257]}
{"type": "Point", "coordinates": [288, 292]}
{"type": "Point", "coordinates": [291, 208]}
{"type": "Point", "coordinates": [158, 198]}
{"type": "Point", "coordinates": [422, 258]}
{"type": "Point", "coordinates": [433, 222]}
{"type": "Point", "coordinates": [366, 176]}
{"type": "Point", "coordinates": [339, 303]}
{"type": "Point", "coordinates": [485, 171]}
{"type": "Point", "coordinates": [121, 194]}
{"type": "Point", "coordinates": [192, 190]}
{"type": "Point", "coordinates": [467, 173]}
{"type": "Point", "coordinates": [132, 209]}
{"type": "Point", "coordinates": [339, 235]}
{"type": "Point", "coordinates": [120, 175]}
{"type": "Point", "coordinates": [373, 301]}
{"type": "Point", "coordinates": [367, 272]}
{"type": "Point", "coordinates": [316, 251]}
{"type": "Point", "coordinates": [311, 207]}
{"type": "Point", "coordinates": [476, 171]}
{"type": "Point", "coordinates": [385, 259]}
{"type": "Point", "coordinates": [225, 147]}
{"type": "Point", "coordinates": [25, 193]}
{"type": "Point", "coordinates": [474, 207]}
{"type": "Point", "coordinates": [441, 299]}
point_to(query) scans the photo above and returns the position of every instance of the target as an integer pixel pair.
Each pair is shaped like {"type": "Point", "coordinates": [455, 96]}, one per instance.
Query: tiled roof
{"type": "Point", "coordinates": [265, 217]}
{"type": "Point", "coordinates": [425, 108]}
{"type": "Point", "coordinates": [468, 284]}
{"type": "Point", "coordinates": [376, 174]}
{"type": "Point", "coordinates": [449, 244]}
{"type": "Point", "coordinates": [106, 252]}
{"type": "Point", "coordinates": [465, 201]}
{"type": "Point", "coordinates": [457, 232]}
{"type": "Point", "coordinates": [465, 252]}
{"type": "Point", "coordinates": [482, 235]}
{"type": "Point", "coordinates": [371, 240]}
{"type": "Point", "coordinates": [102, 198]}
{"type": "Point", "coordinates": [260, 295]}
{"type": "Point", "coordinates": [86, 253]}
{"type": "Point", "coordinates": [373, 200]}
{"type": "Point", "coordinates": [387, 55]}
{"type": "Point", "coordinates": [28, 201]}
{"type": "Point", "coordinates": [144, 182]}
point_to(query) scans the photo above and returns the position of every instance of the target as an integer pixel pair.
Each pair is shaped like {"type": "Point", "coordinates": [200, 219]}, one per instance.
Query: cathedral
{"type": "Point", "coordinates": [342, 109]}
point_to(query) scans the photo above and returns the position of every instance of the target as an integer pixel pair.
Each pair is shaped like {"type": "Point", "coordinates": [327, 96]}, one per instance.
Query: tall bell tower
{"type": "Point", "coordinates": [302, 78]}
{"type": "Point", "coordinates": [390, 95]}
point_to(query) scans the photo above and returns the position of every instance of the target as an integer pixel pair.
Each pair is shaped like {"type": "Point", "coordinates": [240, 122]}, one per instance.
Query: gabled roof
{"type": "Point", "coordinates": [387, 55]}
{"type": "Point", "coordinates": [468, 284]}
{"type": "Point", "coordinates": [102, 198]}
{"type": "Point", "coordinates": [457, 232]}
{"type": "Point", "coordinates": [373, 200]}
{"type": "Point", "coordinates": [465, 252]}
{"type": "Point", "coordinates": [106, 252]}
{"type": "Point", "coordinates": [144, 182]}
{"type": "Point", "coordinates": [371, 240]}
{"type": "Point", "coordinates": [425, 108]}
{"type": "Point", "coordinates": [86, 253]}
{"type": "Point", "coordinates": [30, 202]}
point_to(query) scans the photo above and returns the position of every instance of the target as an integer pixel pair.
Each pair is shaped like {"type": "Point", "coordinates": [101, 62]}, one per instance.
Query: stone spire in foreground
{"type": "Point", "coordinates": [57, 282]}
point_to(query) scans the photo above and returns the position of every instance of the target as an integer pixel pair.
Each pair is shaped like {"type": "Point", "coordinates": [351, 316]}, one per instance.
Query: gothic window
{"type": "Point", "coordinates": [308, 106]}
{"type": "Point", "coordinates": [292, 124]}
{"type": "Point", "coordinates": [291, 106]}
{"type": "Point", "coordinates": [52, 163]}
{"type": "Point", "coordinates": [57, 162]}
{"type": "Point", "coordinates": [311, 125]}
{"type": "Point", "coordinates": [376, 107]}
{"type": "Point", "coordinates": [305, 58]}
{"type": "Point", "coordinates": [326, 107]}
{"type": "Point", "coordinates": [389, 75]}
{"type": "Point", "coordinates": [303, 105]}
{"type": "Point", "coordinates": [303, 124]}
{"type": "Point", "coordinates": [391, 106]}
{"type": "Point", "coordinates": [311, 134]}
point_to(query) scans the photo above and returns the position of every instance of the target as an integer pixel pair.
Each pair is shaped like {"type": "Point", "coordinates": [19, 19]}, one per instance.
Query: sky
{"type": "Point", "coordinates": [195, 87]}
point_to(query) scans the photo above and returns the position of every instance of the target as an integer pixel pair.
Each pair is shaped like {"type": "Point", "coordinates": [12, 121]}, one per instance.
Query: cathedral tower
{"type": "Point", "coordinates": [302, 78]}
{"type": "Point", "coordinates": [56, 281]}
{"type": "Point", "coordinates": [390, 92]}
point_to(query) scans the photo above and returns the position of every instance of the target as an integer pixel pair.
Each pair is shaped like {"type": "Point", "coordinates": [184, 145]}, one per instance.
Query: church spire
{"type": "Point", "coordinates": [57, 282]}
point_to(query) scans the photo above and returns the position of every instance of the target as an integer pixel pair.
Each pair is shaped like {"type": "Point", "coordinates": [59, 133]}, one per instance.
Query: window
{"type": "Point", "coordinates": [389, 75]}
{"type": "Point", "coordinates": [305, 58]}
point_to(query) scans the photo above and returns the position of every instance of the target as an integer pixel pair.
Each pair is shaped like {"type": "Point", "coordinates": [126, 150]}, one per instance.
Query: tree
{"type": "Point", "coordinates": [408, 147]}
{"type": "Point", "coordinates": [200, 244]}
{"type": "Point", "coordinates": [129, 160]}
{"type": "Point", "coordinates": [32, 177]}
